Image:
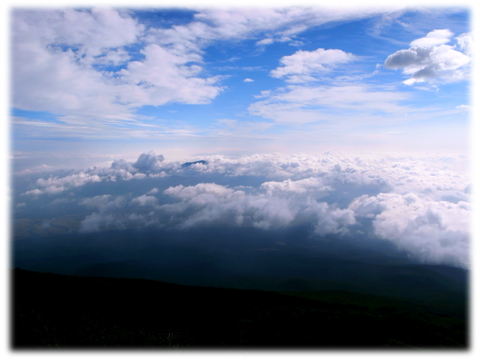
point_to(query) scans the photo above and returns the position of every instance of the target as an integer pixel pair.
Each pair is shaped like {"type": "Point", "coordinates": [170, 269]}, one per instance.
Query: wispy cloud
{"type": "Point", "coordinates": [309, 103]}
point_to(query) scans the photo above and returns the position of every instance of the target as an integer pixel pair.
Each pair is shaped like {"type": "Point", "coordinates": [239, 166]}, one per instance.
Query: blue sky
{"type": "Point", "coordinates": [95, 84]}
{"type": "Point", "coordinates": [352, 122]}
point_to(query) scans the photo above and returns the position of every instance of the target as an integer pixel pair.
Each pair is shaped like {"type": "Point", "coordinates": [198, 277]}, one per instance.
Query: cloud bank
{"type": "Point", "coordinates": [419, 203]}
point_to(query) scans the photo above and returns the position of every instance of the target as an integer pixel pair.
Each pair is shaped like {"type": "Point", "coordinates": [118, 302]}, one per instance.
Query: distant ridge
{"type": "Point", "coordinates": [187, 164]}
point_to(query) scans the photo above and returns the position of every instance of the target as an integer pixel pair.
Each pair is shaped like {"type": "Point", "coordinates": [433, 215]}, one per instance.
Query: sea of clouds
{"type": "Point", "coordinates": [421, 203]}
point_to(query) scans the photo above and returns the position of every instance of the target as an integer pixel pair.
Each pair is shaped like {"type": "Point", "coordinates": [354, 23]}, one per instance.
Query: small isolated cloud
{"type": "Point", "coordinates": [302, 66]}
{"type": "Point", "coordinates": [266, 41]}
{"type": "Point", "coordinates": [464, 107]}
{"type": "Point", "coordinates": [248, 80]}
{"type": "Point", "coordinates": [429, 59]}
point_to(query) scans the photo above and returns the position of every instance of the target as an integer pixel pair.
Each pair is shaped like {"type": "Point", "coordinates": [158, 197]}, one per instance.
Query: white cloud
{"type": "Point", "coordinates": [57, 54]}
{"type": "Point", "coordinates": [190, 192]}
{"type": "Point", "coordinates": [435, 37]}
{"type": "Point", "coordinates": [54, 53]}
{"type": "Point", "coordinates": [302, 66]}
{"type": "Point", "coordinates": [439, 177]}
{"type": "Point", "coordinates": [54, 185]}
{"type": "Point", "coordinates": [163, 77]}
{"type": "Point", "coordinates": [429, 59]}
{"type": "Point", "coordinates": [100, 221]}
{"type": "Point", "coordinates": [464, 107]}
{"type": "Point", "coordinates": [248, 80]}
{"type": "Point", "coordinates": [148, 162]}
{"type": "Point", "coordinates": [302, 186]}
{"type": "Point", "coordinates": [266, 41]}
{"type": "Point", "coordinates": [287, 22]}
{"type": "Point", "coordinates": [211, 203]}
{"type": "Point", "coordinates": [96, 201]}
{"type": "Point", "coordinates": [465, 43]}
{"type": "Point", "coordinates": [61, 59]}
{"type": "Point", "coordinates": [432, 231]}
{"type": "Point", "coordinates": [145, 200]}
{"type": "Point", "coordinates": [307, 103]}
{"type": "Point", "coordinates": [420, 203]}
{"type": "Point", "coordinates": [147, 165]}
{"type": "Point", "coordinates": [331, 220]}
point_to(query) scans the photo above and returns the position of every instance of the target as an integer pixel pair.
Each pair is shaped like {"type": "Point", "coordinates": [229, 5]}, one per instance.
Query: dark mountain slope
{"type": "Point", "coordinates": [70, 312]}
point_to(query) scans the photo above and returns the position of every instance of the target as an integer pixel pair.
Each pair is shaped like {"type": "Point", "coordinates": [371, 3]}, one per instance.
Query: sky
{"type": "Point", "coordinates": [351, 122]}
{"type": "Point", "coordinates": [92, 85]}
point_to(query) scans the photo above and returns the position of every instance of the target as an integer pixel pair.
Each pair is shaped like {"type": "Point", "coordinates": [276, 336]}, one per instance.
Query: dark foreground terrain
{"type": "Point", "coordinates": [74, 312]}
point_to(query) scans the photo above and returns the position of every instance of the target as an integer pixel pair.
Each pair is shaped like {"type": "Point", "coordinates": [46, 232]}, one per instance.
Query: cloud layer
{"type": "Point", "coordinates": [421, 204]}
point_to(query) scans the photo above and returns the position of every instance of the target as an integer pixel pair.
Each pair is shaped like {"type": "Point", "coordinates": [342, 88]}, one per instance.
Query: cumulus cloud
{"type": "Point", "coordinates": [54, 55]}
{"type": "Point", "coordinates": [94, 68]}
{"type": "Point", "coordinates": [432, 231]}
{"type": "Point", "coordinates": [60, 58]}
{"type": "Point", "coordinates": [302, 66]}
{"type": "Point", "coordinates": [148, 162]}
{"type": "Point", "coordinates": [104, 202]}
{"type": "Point", "coordinates": [54, 185]}
{"type": "Point", "coordinates": [145, 200]}
{"type": "Point", "coordinates": [299, 187]}
{"type": "Point", "coordinates": [99, 221]}
{"type": "Point", "coordinates": [430, 59]}
{"type": "Point", "coordinates": [147, 165]}
{"type": "Point", "coordinates": [212, 203]}
{"type": "Point", "coordinates": [164, 77]}
{"type": "Point", "coordinates": [436, 176]}
{"type": "Point", "coordinates": [435, 37]}
{"type": "Point", "coordinates": [465, 43]}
